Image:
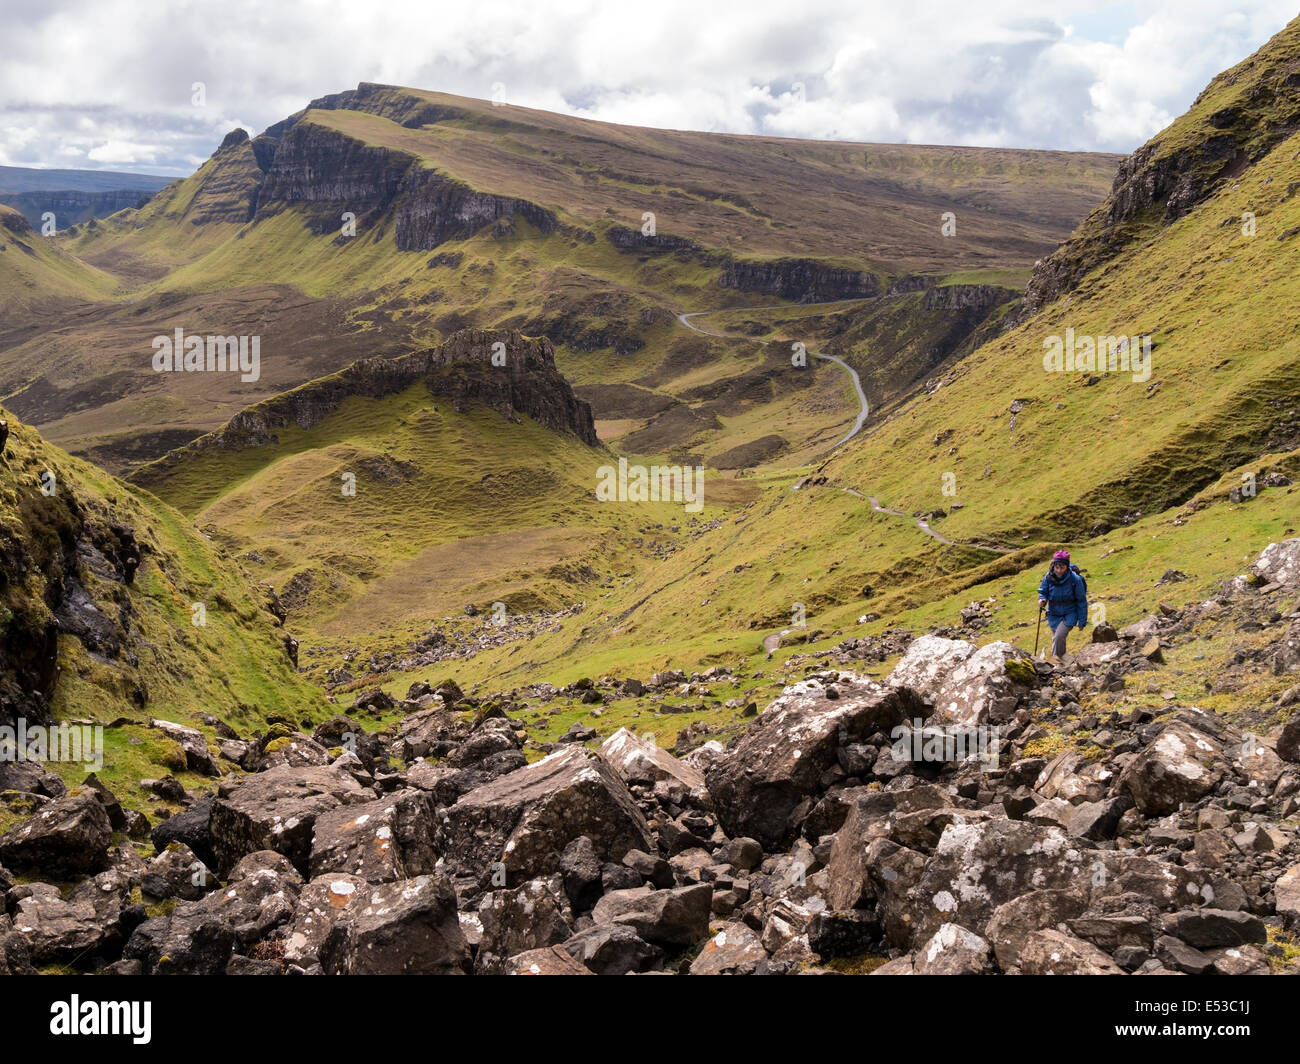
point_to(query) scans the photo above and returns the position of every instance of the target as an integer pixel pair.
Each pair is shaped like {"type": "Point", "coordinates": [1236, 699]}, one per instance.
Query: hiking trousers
{"type": "Point", "coordinates": [1058, 638]}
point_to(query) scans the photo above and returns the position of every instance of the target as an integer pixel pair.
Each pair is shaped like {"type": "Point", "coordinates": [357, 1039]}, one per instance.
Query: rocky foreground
{"type": "Point", "coordinates": [838, 833]}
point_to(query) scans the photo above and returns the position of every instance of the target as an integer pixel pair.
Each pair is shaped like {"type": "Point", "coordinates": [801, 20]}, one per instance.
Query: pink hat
{"type": "Point", "coordinates": [1061, 556]}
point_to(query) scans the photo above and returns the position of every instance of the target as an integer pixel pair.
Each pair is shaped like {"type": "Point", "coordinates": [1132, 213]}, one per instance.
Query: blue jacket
{"type": "Point", "coordinates": [1067, 599]}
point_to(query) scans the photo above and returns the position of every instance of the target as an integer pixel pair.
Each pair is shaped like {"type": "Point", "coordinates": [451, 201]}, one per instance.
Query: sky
{"type": "Point", "coordinates": [114, 84]}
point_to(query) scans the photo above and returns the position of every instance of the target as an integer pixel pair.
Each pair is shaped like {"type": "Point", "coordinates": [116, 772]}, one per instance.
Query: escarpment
{"type": "Point", "coordinates": [504, 370]}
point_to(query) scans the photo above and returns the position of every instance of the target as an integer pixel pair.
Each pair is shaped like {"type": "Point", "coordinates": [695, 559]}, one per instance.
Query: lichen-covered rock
{"type": "Point", "coordinates": [1016, 919]}
{"type": "Point", "coordinates": [65, 838]}
{"type": "Point", "coordinates": [1279, 563]}
{"type": "Point", "coordinates": [763, 788]}
{"type": "Point", "coordinates": [178, 873]}
{"type": "Point", "coordinates": [1054, 952]}
{"type": "Point", "coordinates": [534, 915]}
{"type": "Point", "coordinates": [1181, 765]}
{"type": "Point", "coordinates": [405, 928]}
{"type": "Point", "coordinates": [525, 820]}
{"type": "Point", "coordinates": [277, 810]}
{"type": "Point", "coordinates": [639, 760]}
{"type": "Point", "coordinates": [979, 866]}
{"type": "Point", "coordinates": [967, 685]}
{"type": "Point", "coordinates": [953, 950]}
{"type": "Point", "coordinates": [388, 839]}
{"type": "Point", "coordinates": [85, 924]}
{"type": "Point", "coordinates": [552, 960]}
{"type": "Point", "coordinates": [674, 917]}
{"type": "Point", "coordinates": [868, 819]}
{"type": "Point", "coordinates": [318, 906]}
{"type": "Point", "coordinates": [198, 758]}
{"type": "Point", "coordinates": [733, 949]}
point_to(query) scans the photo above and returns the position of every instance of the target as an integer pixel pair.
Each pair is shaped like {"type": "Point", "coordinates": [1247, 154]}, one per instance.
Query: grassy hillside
{"type": "Point", "coordinates": [105, 578]}
{"type": "Point", "coordinates": [468, 214]}
{"type": "Point", "coordinates": [1132, 475]}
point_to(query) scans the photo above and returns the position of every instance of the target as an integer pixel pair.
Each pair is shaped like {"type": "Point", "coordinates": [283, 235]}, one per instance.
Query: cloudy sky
{"type": "Point", "coordinates": [109, 84]}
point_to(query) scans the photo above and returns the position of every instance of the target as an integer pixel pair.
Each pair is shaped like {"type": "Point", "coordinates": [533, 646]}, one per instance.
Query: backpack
{"type": "Point", "coordinates": [1077, 572]}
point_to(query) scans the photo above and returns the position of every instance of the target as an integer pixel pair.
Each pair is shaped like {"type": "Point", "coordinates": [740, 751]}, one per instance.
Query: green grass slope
{"type": "Point", "coordinates": [89, 637]}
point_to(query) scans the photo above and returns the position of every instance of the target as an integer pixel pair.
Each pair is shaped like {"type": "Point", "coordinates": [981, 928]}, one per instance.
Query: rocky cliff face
{"type": "Point", "coordinates": [432, 209]}
{"type": "Point", "coordinates": [804, 280]}
{"type": "Point", "coordinates": [229, 189]}
{"type": "Point", "coordinates": [460, 370]}
{"type": "Point", "coordinates": [309, 164]}
{"type": "Point", "coordinates": [65, 565]}
{"type": "Point", "coordinates": [1239, 117]}
{"type": "Point", "coordinates": [73, 207]}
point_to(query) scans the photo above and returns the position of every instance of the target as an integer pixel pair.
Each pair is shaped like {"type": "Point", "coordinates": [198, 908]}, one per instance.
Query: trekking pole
{"type": "Point", "coordinates": [1039, 629]}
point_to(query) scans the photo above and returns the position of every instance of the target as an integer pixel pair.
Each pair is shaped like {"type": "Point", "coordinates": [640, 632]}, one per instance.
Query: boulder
{"type": "Point", "coordinates": [318, 905]}
{"type": "Point", "coordinates": [612, 949]}
{"type": "Point", "coordinates": [550, 961]}
{"type": "Point", "coordinates": [981, 865]}
{"type": "Point", "coordinates": [1180, 765]}
{"type": "Point", "coordinates": [733, 950]}
{"type": "Point", "coordinates": [1015, 920]}
{"type": "Point", "coordinates": [1279, 563]}
{"type": "Point", "coordinates": [643, 761]}
{"type": "Point", "coordinates": [405, 928]}
{"type": "Point", "coordinates": [966, 685]}
{"type": "Point", "coordinates": [190, 941]}
{"type": "Point", "coordinates": [1206, 928]}
{"type": "Point", "coordinates": [868, 819]}
{"type": "Point", "coordinates": [1288, 742]}
{"type": "Point", "coordinates": [676, 917]}
{"type": "Point", "coordinates": [261, 895]}
{"type": "Point", "coordinates": [580, 867]}
{"type": "Point", "coordinates": [65, 838]}
{"type": "Point", "coordinates": [762, 788]}
{"type": "Point", "coordinates": [1053, 952]}
{"type": "Point", "coordinates": [953, 950]}
{"type": "Point", "coordinates": [525, 820]}
{"type": "Point", "coordinates": [191, 828]}
{"type": "Point", "coordinates": [177, 873]}
{"type": "Point", "coordinates": [533, 915]}
{"type": "Point", "coordinates": [388, 839]}
{"type": "Point", "coordinates": [198, 758]}
{"type": "Point", "coordinates": [87, 924]}
{"type": "Point", "coordinates": [1286, 894]}
{"type": "Point", "coordinates": [277, 810]}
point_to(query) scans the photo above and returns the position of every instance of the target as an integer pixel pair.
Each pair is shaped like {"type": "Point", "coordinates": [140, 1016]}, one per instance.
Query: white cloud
{"type": "Point", "coordinates": [99, 82]}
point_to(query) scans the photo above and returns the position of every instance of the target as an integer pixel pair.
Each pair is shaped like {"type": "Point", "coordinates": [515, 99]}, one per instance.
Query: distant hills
{"type": "Point", "coordinates": [74, 196]}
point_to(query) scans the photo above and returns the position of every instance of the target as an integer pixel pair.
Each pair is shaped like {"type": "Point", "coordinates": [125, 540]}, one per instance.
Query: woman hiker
{"type": "Point", "coordinates": [1065, 596]}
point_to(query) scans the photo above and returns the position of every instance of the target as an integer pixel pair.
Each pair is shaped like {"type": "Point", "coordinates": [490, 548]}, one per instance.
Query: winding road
{"type": "Point", "coordinates": [863, 413]}
{"type": "Point", "coordinates": [864, 406]}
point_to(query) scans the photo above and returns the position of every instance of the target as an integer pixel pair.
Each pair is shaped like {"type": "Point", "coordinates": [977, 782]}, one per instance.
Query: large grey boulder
{"type": "Point", "coordinates": [277, 810]}
{"type": "Point", "coordinates": [388, 839]}
{"type": "Point", "coordinates": [1183, 763]}
{"type": "Point", "coordinates": [674, 917]}
{"type": "Point", "coordinates": [405, 928]}
{"type": "Point", "coordinates": [978, 866]}
{"type": "Point", "coordinates": [967, 685]}
{"type": "Point", "coordinates": [64, 839]}
{"type": "Point", "coordinates": [1279, 563]}
{"type": "Point", "coordinates": [524, 821]}
{"type": "Point", "coordinates": [640, 760]}
{"type": "Point", "coordinates": [763, 788]}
